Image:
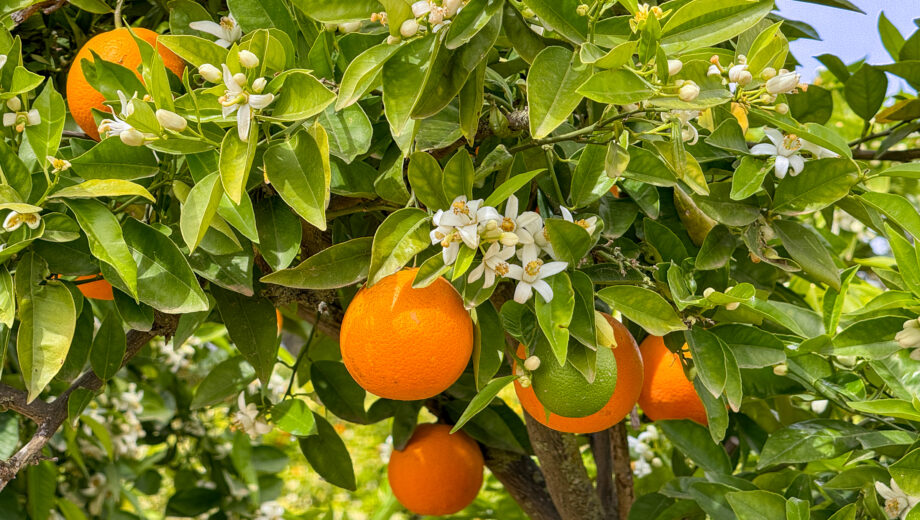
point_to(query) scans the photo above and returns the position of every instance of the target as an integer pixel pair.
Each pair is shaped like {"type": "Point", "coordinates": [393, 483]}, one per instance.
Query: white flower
{"type": "Point", "coordinates": [909, 337]}
{"type": "Point", "coordinates": [494, 262]}
{"type": "Point", "coordinates": [118, 126]}
{"type": "Point", "coordinates": [460, 223]}
{"type": "Point", "coordinates": [130, 399]}
{"type": "Point", "coordinates": [210, 73]}
{"type": "Point", "coordinates": [688, 91]}
{"type": "Point", "coordinates": [590, 224]}
{"type": "Point", "coordinates": [897, 502]}
{"type": "Point", "coordinates": [714, 70]}
{"type": "Point", "coordinates": [688, 132]}
{"type": "Point", "coordinates": [783, 83]}
{"type": "Point", "coordinates": [227, 31]}
{"type": "Point", "coordinates": [247, 419]}
{"type": "Point", "coordinates": [171, 120]}
{"type": "Point", "coordinates": [20, 120]}
{"type": "Point", "coordinates": [270, 510]}
{"type": "Point", "coordinates": [785, 150]}
{"type": "Point", "coordinates": [236, 99]}
{"type": "Point", "coordinates": [97, 491]}
{"type": "Point", "coordinates": [531, 277]}
{"type": "Point", "coordinates": [58, 165]}
{"type": "Point", "coordinates": [674, 66]}
{"type": "Point", "coordinates": [641, 468]}
{"type": "Point", "coordinates": [16, 219]}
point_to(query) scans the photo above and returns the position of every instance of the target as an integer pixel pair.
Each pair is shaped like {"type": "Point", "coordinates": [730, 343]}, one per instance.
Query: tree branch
{"type": "Point", "coordinates": [622, 469]}
{"type": "Point", "coordinates": [891, 155]}
{"type": "Point", "coordinates": [603, 459]}
{"type": "Point", "coordinates": [524, 481]}
{"type": "Point", "coordinates": [48, 7]}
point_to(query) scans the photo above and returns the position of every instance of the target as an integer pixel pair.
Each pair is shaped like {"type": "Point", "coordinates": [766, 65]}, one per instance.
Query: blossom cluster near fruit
{"type": "Point", "coordinates": [278, 259]}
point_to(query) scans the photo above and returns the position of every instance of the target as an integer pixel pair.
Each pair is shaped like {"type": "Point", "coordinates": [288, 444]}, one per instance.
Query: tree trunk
{"type": "Point", "coordinates": [524, 481]}
{"type": "Point", "coordinates": [603, 459]}
{"type": "Point", "coordinates": [622, 469]}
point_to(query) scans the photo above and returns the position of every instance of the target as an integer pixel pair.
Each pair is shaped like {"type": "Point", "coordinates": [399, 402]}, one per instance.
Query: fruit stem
{"type": "Point", "coordinates": [118, 6]}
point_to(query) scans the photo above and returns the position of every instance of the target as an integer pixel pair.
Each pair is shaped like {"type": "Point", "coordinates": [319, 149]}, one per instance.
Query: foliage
{"type": "Point", "coordinates": [552, 160]}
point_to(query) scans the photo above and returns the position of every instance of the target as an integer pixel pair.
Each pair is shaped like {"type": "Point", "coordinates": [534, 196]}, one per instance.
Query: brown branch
{"type": "Point", "coordinates": [622, 469]}
{"type": "Point", "coordinates": [603, 459]}
{"type": "Point", "coordinates": [47, 7]}
{"type": "Point", "coordinates": [524, 481]}
{"type": "Point", "coordinates": [566, 477]}
{"type": "Point", "coordinates": [890, 155]}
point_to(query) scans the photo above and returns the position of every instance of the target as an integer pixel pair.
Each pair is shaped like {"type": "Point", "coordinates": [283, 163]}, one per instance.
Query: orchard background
{"type": "Point", "coordinates": [251, 248]}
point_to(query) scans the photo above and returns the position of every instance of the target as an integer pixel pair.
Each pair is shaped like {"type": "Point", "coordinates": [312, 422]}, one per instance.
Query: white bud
{"type": "Point", "coordinates": [171, 120]}
{"type": "Point", "coordinates": [210, 73]}
{"type": "Point", "coordinates": [132, 137]}
{"type": "Point", "coordinates": [349, 27]}
{"type": "Point", "coordinates": [524, 381]}
{"type": "Point", "coordinates": [14, 104]}
{"type": "Point", "coordinates": [532, 363]}
{"type": "Point", "coordinates": [782, 108]}
{"type": "Point", "coordinates": [248, 60]}
{"type": "Point", "coordinates": [509, 239]}
{"type": "Point", "coordinates": [674, 67]}
{"type": "Point", "coordinates": [713, 71]}
{"type": "Point", "coordinates": [582, 10]}
{"type": "Point", "coordinates": [745, 78]}
{"type": "Point", "coordinates": [735, 71]}
{"type": "Point", "coordinates": [732, 306]}
{"type": "Point", "coordinates": [707, 292]}
{"type": "Point", "coordinates": [409, 28]}
{"type": "Point", "coordinates": [781, 369]}
{"type": "Point", "coordinates": [657, 462]}
{"type": "Point", "coordinates": [259, 85]}
{"type": "Point", "coordinates": [451, 7]}
{"type": "Point", "coordinates": [783, 83]}
{"type": "Point", "coordinates": [768, 73]}
{"type": "Point", "coordinates": [420, 8]}
{"type": "Point", "coordinates": [33, 117]}
{"type": "Point", "coordinates": [768, 99]}
{"type": "Point", "coordinates": [240, 79]}
{"type": "Point", "coordinates": [393, 40]}
{"type": "Point", "coordinates": [330, 27]}
{"type": "Point", "coordinates": [742, 59]}
{"type": "Point", "coordinates": [819, 406]}
{"type": "Point", "coordinates": [688, 91]}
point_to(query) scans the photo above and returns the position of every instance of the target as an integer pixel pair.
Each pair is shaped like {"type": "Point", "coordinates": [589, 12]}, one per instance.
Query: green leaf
{"type": "Point", "coordinates": [821, 183]}
{"type": "Point", "coordinates": [555, 316]}
{"type": "Point", "coordinates": [806, 441]}
{"type": "Point", "coordinates": [47, 319]}
{"type": "Point", "coordinates": [165, 280]}
{"type": "Point", "coordinates": [725, 209]}
{"type": "Point", "coordinates": [263, 14]}
{"type": "Point", "coordinates": [106, 240]}
{"type": "Point", "coordinates": [437, 189]}
{"type": "Point", "coordinates": [45, 137]}
{"type": "Point", "coordinates": [906, 472]}
{"type": "Point", "coordinates": [251, 324]}
{"type": "Point", "coordinates": [363, 73]}
{"type": "Point", "coordinates": [337, 266]}
{"type": "Point", "coordinates": [294, 416]}
{"type": "Point", "coordinates": [865, 91]}
{"type": "Point", "coordinates": [199, 210]}
{"type": "Point", "coordinates": [563, 17]}
{"type": "Point", "coordinates": [230, 377]}
{"type": "Point", "coordinates": [718, 369]}
{"type": "Point", "coordinates": [716, 250]}
{"type": "Point", "coordinates": [616, 87]}
{"type": "Point", "coordinates": [7, 300]}
{"type": "Point", "coordinates": [811, 132]}
{"type": "Point", "coordinates": [590, 181]}
{"type": "Point", "coordinates": [328, 455]}
{"type": "Point", "coordinates": [235, 160]}
{"type": "Point", "coordinates": [891, 36]}
{"type": "Point", "coordinates": [194, 49]}
{"type": "Point", "coordinates": [489, 342]}
{"type": "Point", "coordinates": [897, 208]}
{"type": "Point", "coordinates": [336, 11]}
{"type": "Point", "coordinates": [815, 105]}
{"type": "Point", "coordinates": [295, 169]}
{"type": "Point", "coordinates": [570, 241]}
{"type": "Point", "coordinates": [280, 232]}
{"type": "Point", "coordinates": [807, 248]}
{"type": "Point", "coordinates": [694, 441]}
{"type": "Point", "coordinates": [482, 400]}
{"type": "Point", "coordinates": [757, 505]}
{"type": "Point", "coordinates": [103, 188]}
{"type": "Point", "coordinates": [338, 391]}
{"type": "Point", "coordinates": [400, 237]}
{"type": "Point", "coordinates": [889, 408]}
{"type": "Point", "coordinates": [906, 258]}
{"type": "Point", "coordinates": [468, 22]}
{"type": "Point", "coordinates": [349, 131]}
{"type": "Point", "coordinates": [108, 348]}
{"type": "Point", "coordinates": [748, 178]}
{"type": "Point", "coordinates": [509, 187]}
{"type": "Point", "coordinates": [643, 306]}
{"type": "Point", "coordinates": [40, 486]}
{"type": "Point", "coordinates": [404, 74]}
{"type": "Point", "coordinates": [112, 159]}
{"type": "Point", "coordinates": [552, 85]}
{"type": "Point", "coordinates": [702, 23]}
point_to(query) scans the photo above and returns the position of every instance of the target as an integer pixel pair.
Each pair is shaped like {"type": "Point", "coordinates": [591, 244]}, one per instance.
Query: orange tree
{"type": "Point", "coordinates": [444, 199]}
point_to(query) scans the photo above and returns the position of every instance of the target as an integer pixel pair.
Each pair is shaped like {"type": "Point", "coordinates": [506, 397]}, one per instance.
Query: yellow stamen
{"type": "Point", "coordinates": [508, 224]}
{"type": "Point", "coordinates": [533, 267]}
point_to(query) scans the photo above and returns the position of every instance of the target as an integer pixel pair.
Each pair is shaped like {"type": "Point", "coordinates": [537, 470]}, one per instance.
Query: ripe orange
{"type": "Point", "coordinates": [667, 393]}
{"type": "Point", "coordinates": [119, 47]}
{"type": "Point", "coordinates": [625, 394]}
{"type": "Point", "coordinates": [280, 319]}
{"type": "Point", "coordinates": [98, 290]}
{"type": "Point", "coordinates": [615, 191]}
{"type": "Point", "coordinates": [437, 473]}
{"type": "Point", "coordinates": [404, 343]}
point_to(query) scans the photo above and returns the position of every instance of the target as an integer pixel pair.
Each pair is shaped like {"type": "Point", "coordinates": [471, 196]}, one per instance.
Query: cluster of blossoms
{"type": "Point", "coordinates": [909, 338]}
{"type": "Point", "coordinates": [247, 419]}
{"type": "Point", "coordinates": [241, 97]}
{"type": "Point", "coordinates": [504, 237]}
{"type": "Point", "coordinates": [119, 126]}
{"type": "Point", "coordinates": [775, 82]}
{"type": "Point", "coordinates": [897, 502]}
{"type": "Point", "coordinates": [642, 453]}
{"type": "Point", "coordinates": [437, 14]}
{"type": "Point", "coordinates": [121, 416]}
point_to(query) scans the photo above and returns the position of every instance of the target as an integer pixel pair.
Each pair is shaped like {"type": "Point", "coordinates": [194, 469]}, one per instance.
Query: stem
{"type": "Point", "coordinates": [300, 355]}
{"type": "Point", "coordinates": [622, 470]}
{"type": "Point", "coordinates": [118, 6]}
{"type": "Point", "coordinates": [580, 132]}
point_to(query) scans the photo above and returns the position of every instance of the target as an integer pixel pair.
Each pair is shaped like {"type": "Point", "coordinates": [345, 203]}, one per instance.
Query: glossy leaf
{"type": "Point", "coordinates": [552, 85]}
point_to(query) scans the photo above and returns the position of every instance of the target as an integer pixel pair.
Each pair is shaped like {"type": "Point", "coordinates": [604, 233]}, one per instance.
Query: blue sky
{"type": "Point", "coordinates": [848, 34]}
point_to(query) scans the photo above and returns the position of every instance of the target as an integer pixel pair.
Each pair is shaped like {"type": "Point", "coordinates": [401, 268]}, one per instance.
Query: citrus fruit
{"type": "Point", "coordinates": [117, 46]}
{"type": "Point", "coordinates": [625, 394]}
{"type": "Point", "coordinates": [280, 319]}
{"type": "Point", "coordinates": [615, 191]}
{"type": "Point", "coordinates": [564, 391]}
{"type": "Point", "coordinates": [667, 393]}
{"type": "Point", "coordinates": [98, 290]}
{"type": "Point", "coordinates": [404, 343]}
{"type": "Point", "coordinates": [438, 473]}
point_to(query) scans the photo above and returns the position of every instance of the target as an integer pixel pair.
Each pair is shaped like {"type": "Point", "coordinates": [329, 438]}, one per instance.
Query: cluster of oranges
{"type": "Point", "coordinates": [407, 343]}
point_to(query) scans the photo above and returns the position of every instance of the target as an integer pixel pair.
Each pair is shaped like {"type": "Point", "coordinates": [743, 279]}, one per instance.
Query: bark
{"type": "Point", "coordinates": [524, 481]}
{"type": "Point", "coordinates": [603, 459]}
{"type": "Point", "coordinates": [622, 469]}
{"type": "Point", "coordinates": [566, 477]}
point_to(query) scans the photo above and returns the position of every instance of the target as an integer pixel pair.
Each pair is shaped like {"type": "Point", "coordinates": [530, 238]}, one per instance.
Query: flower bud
{"type": "Point", "coordinates": [132, 137]}
{"type": "Point", "coordinates": [210, 73]}
{"type": "Point", "coordinates": [524, 381]}
{"type": "Point", "coordinates": [674, 67]}
{"type": "Point", "coordinates": [171, 120]}
{"type": "Point", "coordinates": [714, 71]}
{"type": "Point", "coordinates": [768, 73]}
{"type": "Point", "coordinates": [768, 99]}
{"type": "Point", "coordinates": [259, 85]}
{"type": "Point", "coordinates": [14, 104]}
{"type": "Point", "coordinates": [509, 239]}
{"type": "Point", "coordinates": [732, 306]}
{"type": "Point", "coordinates": [783, 83]}
{"type": "Point", "coordinates": [781, 369]}
{"type": "Point", "coordinates": [745, 78]}
{"type": "Point", "coordinates": [248, 60]}
{"type": "Point", "coordinates": [330, 27]}
{"type": "Point", "coordinates": [782, 108]}
{"type": "Point", "coordinates": [409, 28]}
{"type": "Point", "coordinates": [420, 8]}
{"type": "Point", "coordinates": [349, 27]}
{"type": "Point", "coordinates": [819, 406]}
{"type": "Point", "coordinates": [657, 462]}
{"type": "Point", "coordinates": [582, 10]}
{"type": "Point", "coordinates": [532, 363]}
{"type": "Point", "coordinates": [393, 40]}
{"type": "Point", "coordinates": [451, 7]}
{"type": "Point", "coordinates": [734, 73]}
{"type": "Point", "coordinates": [742, 59]}
{"type": "Point", "coordinates": [688, 91]}
{"type": "Point", "coordinates": [709, 291]}
{"type": "Point", "coordinates": [240, 79]}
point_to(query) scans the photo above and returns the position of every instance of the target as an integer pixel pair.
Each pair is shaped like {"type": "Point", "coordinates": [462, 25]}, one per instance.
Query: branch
{"type": "Point", "coordinates": [48, 7]}
{"type": "Point", "coordinates": [622, 469]}
{"type": "Point", "coordinates": [603, 459]}
{"type": "Point", "coordinates": [566, 477]}
{"type": "Point", "coordinates": [524, 481]}
{"type": "Point", "coordinates": [891, 155]}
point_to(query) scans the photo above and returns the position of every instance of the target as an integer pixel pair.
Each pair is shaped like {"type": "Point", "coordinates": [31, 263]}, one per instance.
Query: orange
{"type": "Point", "coordinates": [119, 47]}
{"type": "Point", "coordinates": [438, 473]}
{"type": "Point", "coordinates": [404, 343]}
{"type": "Point", "coordinates": [280, 319]}
{"type": "Point", "coordinates": [667, 393]}
{"type": "Point", "coordinates": [98, 290]}
{"type": "Point", "coordinates": [615, 191]}
{"type": "Point", "coordinates": [625, 394]}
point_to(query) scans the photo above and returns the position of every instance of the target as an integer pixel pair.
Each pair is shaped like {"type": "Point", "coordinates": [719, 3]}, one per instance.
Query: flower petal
{"type": "Point", "coordinates": [544, 289]}
{"type": "Point", "coordinates": [782, 166]}
{"type": "Point", "coordinates": [523, 292]}
{"type": "Point", "coordinates": [763, 149]}
{"type": "Point", "coordinates": [774, 135]}
{"type": "Point", "coordinates": [551, 268]}
{"type": "Point", "coordinates": [243, 117]}
{"type": "Point", "coordinates": [207, 26]}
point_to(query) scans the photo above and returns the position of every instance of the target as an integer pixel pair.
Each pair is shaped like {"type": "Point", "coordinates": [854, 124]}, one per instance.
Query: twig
{"type": "Point", "coordinates": [47, 7]}
{"type": "Point", "coordinates": [891, 155]}
{"type": "Point", "coordinates": [622, 469]}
